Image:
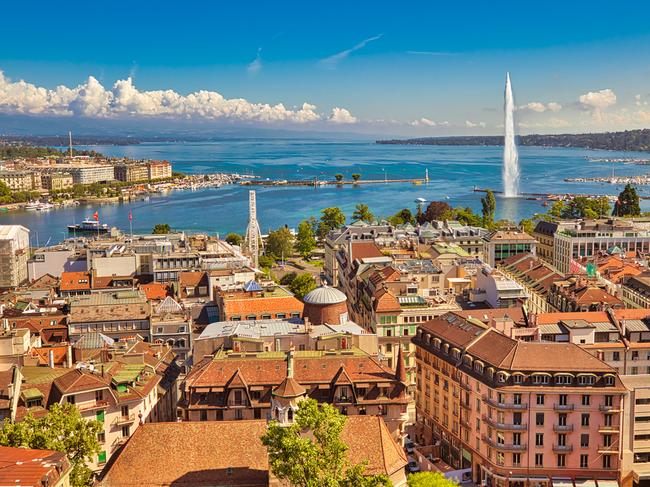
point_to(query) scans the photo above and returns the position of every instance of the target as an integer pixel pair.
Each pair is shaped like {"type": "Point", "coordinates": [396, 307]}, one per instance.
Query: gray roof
{"type": "Point", "coordinates": [635, 325]}
{"type": "Point", "coordinates": [252, 328]}
{"type": "Point", "coordinates": [350, 327]}
{"type": "Point", "coordinates": [91, 341]}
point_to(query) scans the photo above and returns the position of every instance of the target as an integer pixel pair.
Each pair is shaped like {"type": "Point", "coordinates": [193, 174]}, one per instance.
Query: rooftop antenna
{"type": "Point", "coordinates": [253, 233]}
{"type": "Point", "coordinates": [70, 141]}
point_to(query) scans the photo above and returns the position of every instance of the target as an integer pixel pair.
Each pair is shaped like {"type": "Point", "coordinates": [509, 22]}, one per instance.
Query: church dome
{"type": "Point", "coordinates": [324, 295]}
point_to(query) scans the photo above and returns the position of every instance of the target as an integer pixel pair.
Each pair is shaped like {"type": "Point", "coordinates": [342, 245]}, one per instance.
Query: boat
{"type": "Point", "coordinates": [45, 207]}
{"type": "Point", "coordinates": [32, 206]}
{"type": "Point", "coordinates": [89, 226]}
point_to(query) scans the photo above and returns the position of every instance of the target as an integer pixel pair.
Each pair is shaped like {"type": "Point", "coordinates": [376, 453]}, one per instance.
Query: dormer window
{"type": "Point", "coordinates": [563, 379]}
{"type": "Point", "coordinates": [518, 378]}
{"type": "Point", "coordinates": [609, 380]}
{"type": "Point", "coordinates": [436, 343]}
{"type": "Point", "coordinates": [478, 367]}
{"type": "Point", "coordinates": [541, 379]}
{"type": "Point", "coordinates": [586, 379]}
{"type": "Point", "coordinates": [502, 377]}
{"type": "Point", "coordinates": [445, 348]}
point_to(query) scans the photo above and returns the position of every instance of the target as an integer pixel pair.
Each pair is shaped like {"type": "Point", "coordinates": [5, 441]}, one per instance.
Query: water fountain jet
{"type": "Point", "coordinates": [510, 174]}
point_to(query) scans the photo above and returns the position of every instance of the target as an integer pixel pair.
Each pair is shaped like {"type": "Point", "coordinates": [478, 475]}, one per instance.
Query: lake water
{"type": "Point", "coordinates": [453, 173]}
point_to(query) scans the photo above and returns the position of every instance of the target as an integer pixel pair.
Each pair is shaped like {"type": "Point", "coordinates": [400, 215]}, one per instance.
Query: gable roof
{"type": "Point", "coordinates": [75, 281]}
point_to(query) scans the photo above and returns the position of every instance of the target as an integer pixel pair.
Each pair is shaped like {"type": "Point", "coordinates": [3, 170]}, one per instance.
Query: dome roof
{"type": "Point", "coordinates": [324, 295]}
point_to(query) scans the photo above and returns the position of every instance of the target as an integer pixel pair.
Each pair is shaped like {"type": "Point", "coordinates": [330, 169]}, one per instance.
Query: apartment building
{"type": "Point", "coordinates": [537, 278]}
{"type": "Point", "coordinates": [57, 181]}
{"type": "Point", "coordinates": [578, 293]}
{"type": "Point", "coordinates": [497, 290]}
{"type": "Point", "coordinates": [467, 237]}
{"type": "Point", "coordinates": [20, 180]}
{"type": "Point", "coordinates": [515, 412]}
{"type": "Point", "coordinates": [137, 384]}
{"type": "Point", "coordinates": [635, 291]}
{"type": "Point", "coordinates": [119, 314]}
{"type": "Point", "coordinates": [544, 233]}
{"type": "Point", "coordinates": [88, 174]}
{"type": "Point", "coordinates": [14, 253]}
{"type": "Point", "coordinates": [171, 324]}
{"type": "Point", "coordinates": [586, 238]}
{"type": "Point", "coordinates": [635, 464]}
{"type": "Point", "coordinates": [130, 173]}
{"type": "Point", "coordinates": [159, 170]}
{"type": "Point", "coordinates": [167, 266]}
{"type": "Point", "coordinates": [253, 302]}
{"type": "Point", "coordinates": [235, 386]}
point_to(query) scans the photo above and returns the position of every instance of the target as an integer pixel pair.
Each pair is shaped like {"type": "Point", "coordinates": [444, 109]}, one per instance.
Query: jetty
{"type": "Point", "coordinates": [316, 183]}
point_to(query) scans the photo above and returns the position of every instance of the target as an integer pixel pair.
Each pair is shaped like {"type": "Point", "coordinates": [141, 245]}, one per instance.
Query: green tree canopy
{"type": "Point", "coordinates": [489, 207]}
{"type": "Point", "coordinates": [583, 207]}
{"type": "Point", "coordinates": [62, 429]}
{"type": "Point", "coordinates": [302, 284]}
{"type": "Point", "coordinates": [234, 239]}
{"type": "Point", "coordinates": [161, 229]}
{"type": "Point", "coordinates": [338, 177]}
{"type": "Point", "coordinates": [331, 219]}
{"type": "Point", "coordinates": [437, 210]}
{"type": "Point", "coordinates": [628, 202]}
{"type": "Point", "coordinates": [401, 217]}
{"type": "Point", "coordinates": [429, 479]}
{"type": "Point", "coordinates": [356, 176]}
{"type": "Point", "coordinates": [305, 240]}
{"type": "Point", "coordinates": [363, 213]}
{"type": "Point", "coordinates": [527, 225]}
{"type": "Point", "coordinates": [466, 216]}
{"type": "Point", "coordinates": [280, 243]}
{"type": "Point", "coordinates": [288, 278]}
{"type": "Point", "coordinates": [311, 453]}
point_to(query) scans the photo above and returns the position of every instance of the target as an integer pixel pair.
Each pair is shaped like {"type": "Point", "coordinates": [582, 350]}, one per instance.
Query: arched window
{"type": "Point", "coordinates": [290, 414]}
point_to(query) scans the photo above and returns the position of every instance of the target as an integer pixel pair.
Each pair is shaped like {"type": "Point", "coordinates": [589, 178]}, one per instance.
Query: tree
{"type": "Point", "coordinates": [62, 429]}
{"type": "Point", "coordinates": [288, 278]}
{"type": "Point", "coordinates": [234, 239]}
{"type": "Point", "coordinates": [161, 229]}
{"type": "Point", "coordinates": [356, 176]}
{"type": "Point", "coordinates": [311, 453]}
{"type": "Point", "coordinates": [489, 206]}
{"type": "Point", "coordinates": [429, 479]}
{"type": "Point", "coordinates": [266, 261]}
{"type": "Point", "coordinates": [305, 241]}
{"type": "Point", "coordinates": [466, 216]}
{"type": "Point", "coordinates": [302, 284]}
{"type": "Point", "coordinates": [363, 213]}
{"type": "Point", "coordinates": [628, 202]}
{"type": "Point", "coordinates": [437, 210]}
{"type": "Point", "coordinates": [401, 217]}
{"type": "Point", "coordinates": [583, 207]}
{"type": "Point", "coordinates": [338, 177]}
{"type": "Point", "coordinates": [280, 243]}
{"type": "Point", "coordinates": [557, 209]}
{"type": "Point", "coordinates": [331, 219]}
{"type": "Point", "coordinates": [527, 225]}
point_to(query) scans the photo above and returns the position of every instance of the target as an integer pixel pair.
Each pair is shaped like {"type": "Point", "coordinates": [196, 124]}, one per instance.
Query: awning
{"type": "Point", "coordinates": [607, 483]}
{"type": "Point", "coordinates": [558, 482]}
{"type": "Point", "coordinates": [585, 483]}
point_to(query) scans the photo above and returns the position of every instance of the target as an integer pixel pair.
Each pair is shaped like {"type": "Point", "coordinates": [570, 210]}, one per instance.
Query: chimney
{"type": "Point", "coordinates": [50, 356]}
{"type": "Point", "coordinates": [69, 357]}
{"type": "Point", "coordinates": [290, 363]}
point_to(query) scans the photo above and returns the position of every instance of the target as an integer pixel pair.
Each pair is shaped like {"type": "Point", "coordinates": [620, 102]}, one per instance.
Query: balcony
{"type": "Point", "coordinates": [562, 448]}
{"type": "Point", "coordinates": [609, 408]}
{"type": "Point", "coordinates": [562, 428]}
{"type": "Point", "coordinates": [118, 442]}
{"type": "Point", "coordinates": [504, 405]}
{"type": "Point", "coordinates": [466, 406]}
{"type": "Point", "coordinates": [504, 446]}
{"type": "Point", "coordinates": [467, 386]}
{"type": "Point", "coordinates": [465, 423]}
{"type": "Point", "coordinates": [564, 407]}
{"type": "Point", "coordinates": [607, 449]}
{"type": "Point", "coordinates": [608, 429]}
{"type": "Point", "coordinates": [92, 406]}
{"type": "Point", "coordinates": [504, 426]}
{"type": "Point", "coordinates": [124, 420]}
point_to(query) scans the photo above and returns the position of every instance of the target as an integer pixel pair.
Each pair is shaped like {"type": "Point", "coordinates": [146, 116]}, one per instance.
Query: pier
{"type": "Point", "coordinates": [317, 183]}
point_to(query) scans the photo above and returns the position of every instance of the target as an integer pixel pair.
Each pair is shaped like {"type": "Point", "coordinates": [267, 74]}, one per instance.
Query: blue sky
{"type": "Point", "coordinates": [421, 68]}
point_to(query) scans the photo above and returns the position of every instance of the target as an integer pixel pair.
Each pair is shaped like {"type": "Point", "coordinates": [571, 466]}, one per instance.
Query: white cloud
{"type": "Point", "coordinates": [332, 61]}
{"type": "Point", "coordinates": [639, 101]}
{"type": "Point", "coordinates": [423, 122]}
{"type": "Point", "coordinates": [470, 124]}
{"type": "Point", "coordinates": [550, 123]}
{"type": "Point", "coordinates": [341, 115]}
{"type": "Point", "coordinates": [536, 106]}
{"type": "Point", "coordinates": [256, 64]}
{"type": "Point", "coordinates": [92, 99]}
{"type": "Point", "coordinates": [597, 101]}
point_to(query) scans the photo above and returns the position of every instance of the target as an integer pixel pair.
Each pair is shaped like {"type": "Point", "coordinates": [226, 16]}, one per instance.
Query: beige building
{"type": "Point", "coordinates": [502, 244]}
{"type": "Point", "coordinates": [130, 173]}
{"type": "Point", "coordinates": [19, 180]}
{"type": "Point", "coordinates": [14, 253]}
{"type": "Point", "coordinates": [159, 170]}
{"type": "Point", "coordinates": [635, 465]}
{"type": "Point", "coordinates": [57, 181]}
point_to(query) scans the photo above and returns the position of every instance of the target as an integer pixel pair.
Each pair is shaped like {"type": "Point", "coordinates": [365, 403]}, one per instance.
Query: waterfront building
{"type": "Point", "coordinates": [253, 302]}
{"type": "Point", "coordinates": [88, 174]}
{"type": "Point", "coordinates": [233, 385]}
{"type": "Point", "coordinates": [57, 181]}
{"type": "Point", "coordinates": [119, 314]}
{"type": "Point", "coordinates": [513, 412]}
{"type": "Point", "coordinates": [20, 180]}
{"type": "Point", "coordinates": [501, 244]}
{"type": "Point", "coordinates": [26, 467]}
{"type": "Point", "coordinates": [537, 278]}
{"type": "Point", "coordinates": [467, 237]}
{"type": "Point", "coordinates": [159, 170]}
{"type": "Point", "coordinates": [132, 172]}
{"type": "Point", "coordinates": [14, 253]}
{"type": "Point", "coordinates": [586, 238]}
{"type": "Point", "coordinates": [130, 383]}
{"type": "Point", "coordinates": [230, 454]}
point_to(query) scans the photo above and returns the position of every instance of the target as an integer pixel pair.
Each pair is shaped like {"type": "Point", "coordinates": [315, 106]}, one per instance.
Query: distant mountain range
{"type": "Point", "coordinates": [629, 140]}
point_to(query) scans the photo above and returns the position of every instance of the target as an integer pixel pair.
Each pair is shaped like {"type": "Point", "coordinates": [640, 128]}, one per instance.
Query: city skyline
{"type": "Point", "coordinates": [340, 73]}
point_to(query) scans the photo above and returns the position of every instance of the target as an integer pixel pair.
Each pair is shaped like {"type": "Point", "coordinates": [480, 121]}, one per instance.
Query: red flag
{"type": "Point", "coordinates": [96, 216]}
{"type": "Point", "coordinates": [130, 216]}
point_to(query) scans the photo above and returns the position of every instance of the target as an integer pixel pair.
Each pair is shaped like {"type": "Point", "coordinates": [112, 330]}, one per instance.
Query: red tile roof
{"type": "Point", "coordinates": [75, 281]}
{"type": "Point", "coordinates": [156, 290]}
{"type": "Point", "coordinates": [365, 250]}
{"type": "Point", "coordinates": [26, 467]}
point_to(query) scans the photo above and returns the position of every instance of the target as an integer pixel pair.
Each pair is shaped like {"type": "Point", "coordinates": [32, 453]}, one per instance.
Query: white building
{"type": "Point", "coordinates": [14, 252]}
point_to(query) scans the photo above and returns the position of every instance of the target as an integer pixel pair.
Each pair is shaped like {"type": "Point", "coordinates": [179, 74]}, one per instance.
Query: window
{"type": "Point", "coordinates": [101, 437]}
{"type": "Point", "coordinates": [99, 395]}
{"type": "Point", "coordinates": [126, 431]}
{"type": "Point", "coordinates": [516, 398]}
{"type": "Point", "coordinates": [99, 416]}
{"type": "Point", "coordinates": [616, 356]}
{"type": "Point", "coordinates": [586, 400]}
{"type": "Point", "coordinates": [539, 439]}
{"type": "Point", "coordinates": [101, 458]}
{"type": "Point", "coordinates": [71, 400]}
{"type": "Point", "coordinates": [539, 419]}
{"type": "Point", "coordinates": [517, 379]}
{"type": "Point", "coordinates": [539, 459]}
{"type": "Point", "coordinates": [584, 419]}
{"type": "Point", "coordinates": [584, 461]}
{"type": "Point", "coordinates": [563, 400]}
{"type": "Point", "coordinates": [540, 399]}
{"type": "Point", "coordinates": [204, 415]}
{"type": "Point", "coordinates": [516, 459]}
{"type": "Point", "coordinates": [516, 438]}
{"type": "Point", "coordinates": [561, 460]}
{"type": "Point", "coordinates": [584, 440]}
{"type": "Point", "coordinates": [239, 414]}
{"type": "Point", "coordinates": [607, 461]}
